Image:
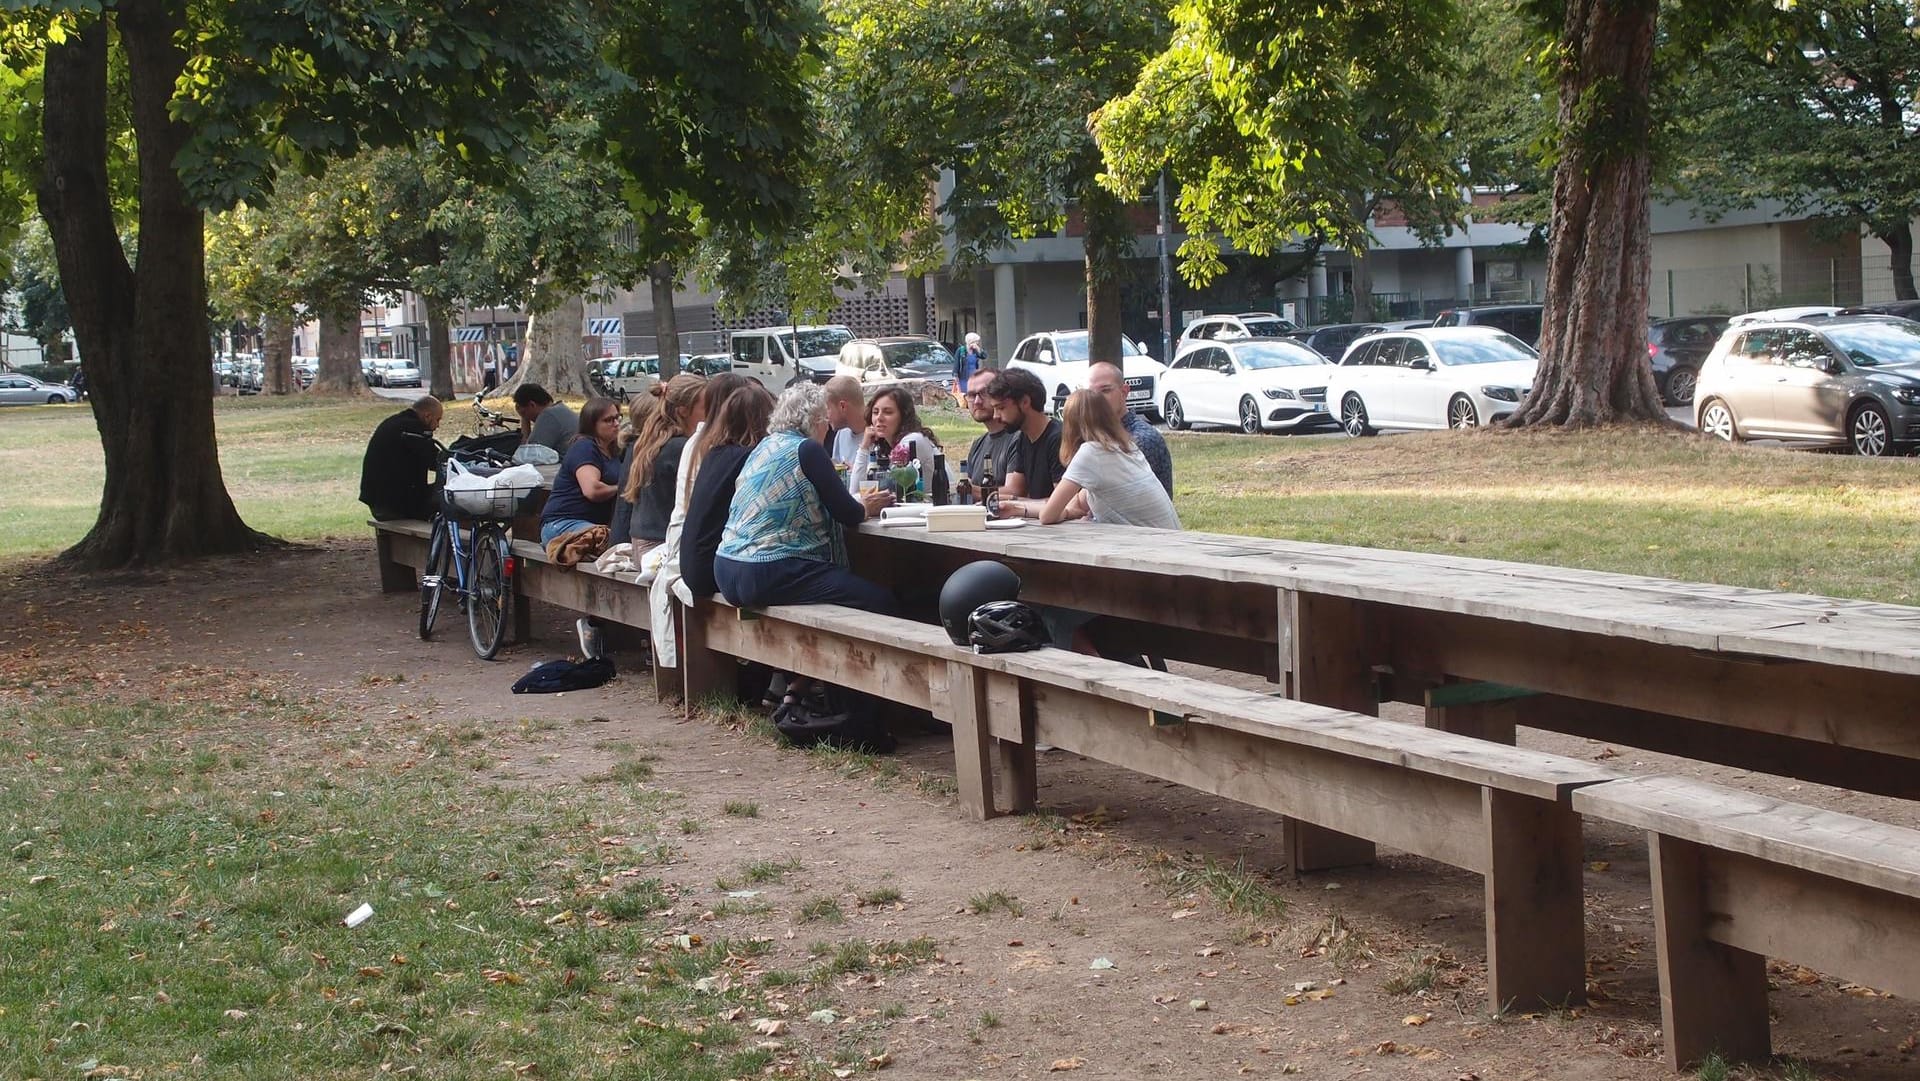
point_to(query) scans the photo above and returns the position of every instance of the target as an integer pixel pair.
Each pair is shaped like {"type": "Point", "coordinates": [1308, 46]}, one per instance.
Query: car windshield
{"type": "Point", "coordinates": [1491, 349]}
{"type": "Point", "coordinates": [825, 341]}
{"type": "Point", "coordinates": [1874, 345]}
{"type": "Point", "coordinates": [1267, 328]}
{"type": "Point", "coordinates": [917, 356]}
{"type": "Point", "coordinates": [1261, 355]}
{"type": "Point", "coordinates": [1072, 348]}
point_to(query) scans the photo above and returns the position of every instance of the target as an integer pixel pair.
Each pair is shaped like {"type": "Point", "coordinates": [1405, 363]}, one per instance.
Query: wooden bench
{"type": "Point", "coordinates": [1498, 811]}
{"type": "Point", "coordinates": [1738, 878]}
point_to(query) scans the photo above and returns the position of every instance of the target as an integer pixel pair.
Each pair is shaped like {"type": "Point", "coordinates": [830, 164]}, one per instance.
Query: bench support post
{"type": "Point", "coordinates": [1472, 709]}
{"type": "Point", "coordinates": [1011, 702]}
{"type": "Point", "coordinates": [1713, 997]}
{"type": "Point", "coordinates": [1536, 931]}
{"type": "Point", "coordinates": [966, 709]}
{"type": "Point", "coordinates": [395, 576]}
{"type": "Point", "coordinates": [704, 673]}
{"type": "Point", "coordinates": [1324, 646]}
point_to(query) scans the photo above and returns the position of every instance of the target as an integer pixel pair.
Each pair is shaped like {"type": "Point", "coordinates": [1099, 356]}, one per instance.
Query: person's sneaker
{"type": "Point", "coordinates": [590, 642]}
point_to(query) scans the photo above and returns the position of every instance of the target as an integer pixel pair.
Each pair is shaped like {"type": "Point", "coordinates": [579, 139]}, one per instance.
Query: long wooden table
{"type": "Point", "coordinates": [1810, 687]}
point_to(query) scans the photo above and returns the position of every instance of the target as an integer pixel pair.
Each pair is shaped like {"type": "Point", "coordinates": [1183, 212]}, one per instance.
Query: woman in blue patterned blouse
{"type": "Point", "coordinates": [782, 543]}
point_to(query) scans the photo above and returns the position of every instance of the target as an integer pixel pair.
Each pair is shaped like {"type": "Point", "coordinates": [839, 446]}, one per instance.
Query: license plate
{"type": "Point", "coordinates": [1319, 407]}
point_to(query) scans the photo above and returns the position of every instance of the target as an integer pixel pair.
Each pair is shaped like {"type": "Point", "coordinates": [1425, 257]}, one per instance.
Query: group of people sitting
{"type": "Point", "coordinates": [716, 486]}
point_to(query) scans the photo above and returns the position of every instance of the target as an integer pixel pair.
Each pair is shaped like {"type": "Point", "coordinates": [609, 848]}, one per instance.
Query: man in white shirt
{"type": "Point", "coordinates": [846, 418]}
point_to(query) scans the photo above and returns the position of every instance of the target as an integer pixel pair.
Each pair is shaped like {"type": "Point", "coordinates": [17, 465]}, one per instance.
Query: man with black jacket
{"type": "Point", "coordinates": [399, 477]}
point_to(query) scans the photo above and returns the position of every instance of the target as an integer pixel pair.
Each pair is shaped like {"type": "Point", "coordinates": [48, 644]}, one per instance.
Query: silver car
{"type": "Point", "coordinates": [17, 389]}
{"type": "Point", "coordinates": [1849, 380]}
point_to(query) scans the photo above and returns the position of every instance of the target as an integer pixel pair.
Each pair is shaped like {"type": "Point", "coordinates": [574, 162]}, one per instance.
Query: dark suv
{"type": "Point", "coordinates": [1675, 348]}
{"type": "Point", "coordinates": [1520, 320]}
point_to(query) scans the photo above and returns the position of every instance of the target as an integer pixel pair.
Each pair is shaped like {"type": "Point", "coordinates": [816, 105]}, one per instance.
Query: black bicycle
{"type": "Point", "coordinates": [470, 554]}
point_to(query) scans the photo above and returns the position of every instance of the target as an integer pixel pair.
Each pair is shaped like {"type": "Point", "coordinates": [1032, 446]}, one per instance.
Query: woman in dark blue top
{"type": "Point", "coordinates": [589, 477]}
{"type": "Point", "coordinates": [721, 450]}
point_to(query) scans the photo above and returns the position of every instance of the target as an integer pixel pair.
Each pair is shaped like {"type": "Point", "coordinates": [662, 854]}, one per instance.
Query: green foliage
{"type": "Point", "coordinates": [1284, 120]}
{"type": "Point", "coordinates": [1811, 107]}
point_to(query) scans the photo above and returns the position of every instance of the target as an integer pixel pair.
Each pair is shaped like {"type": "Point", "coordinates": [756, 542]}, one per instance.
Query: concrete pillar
{"type": "Point", "coordinates": [1463, 273]}
{"type": "Point", "coordinates": [1005, 332]}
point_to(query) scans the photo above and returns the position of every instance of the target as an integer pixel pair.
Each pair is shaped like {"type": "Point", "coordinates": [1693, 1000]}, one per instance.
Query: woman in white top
{"type": "Point", "coordinates": [1106, 478]}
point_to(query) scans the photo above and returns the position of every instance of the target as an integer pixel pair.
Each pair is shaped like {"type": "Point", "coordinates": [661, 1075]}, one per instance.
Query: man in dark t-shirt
{"type": "Point", "coordinates": [399, 477]}
{"type": "Point", "coordinates": [1019, 400]}
{"type": "Point", "coordinates": [994, 447]}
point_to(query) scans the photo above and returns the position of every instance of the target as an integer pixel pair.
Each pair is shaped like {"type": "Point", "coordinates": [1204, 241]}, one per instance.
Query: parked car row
{"type": "Point", "coordinates": [17, 388]}
{"type": "Point", "coordinates": [1850, 381]}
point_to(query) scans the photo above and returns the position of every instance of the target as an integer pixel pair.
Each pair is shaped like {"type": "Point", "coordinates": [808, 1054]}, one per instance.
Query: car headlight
{"type": "Point", "coordinates": [1501, 394]}
{"type": "Point", "coordinates": [1276, 392]}
{"type": "Point", "coordinates": [1907, 395]}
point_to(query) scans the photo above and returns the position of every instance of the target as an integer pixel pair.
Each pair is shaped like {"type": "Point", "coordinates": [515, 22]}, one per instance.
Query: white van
{"type": "Point", "coordinates": [781, 356]}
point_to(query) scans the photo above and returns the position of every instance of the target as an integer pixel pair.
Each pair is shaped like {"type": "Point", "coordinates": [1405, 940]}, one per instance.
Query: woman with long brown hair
{"type": "Point", "coordinates": [666, 558]}
{"type": "Point", "coordinates": [1106, 478]}
{"type": "Point", "coordinates": [738, 428]}
{"type": "Point", "coordinates": [894, 422]}
{"type": "Point", "coordinates": [653, 461]}
{"type": "Point", "coordinates": [589, 477]}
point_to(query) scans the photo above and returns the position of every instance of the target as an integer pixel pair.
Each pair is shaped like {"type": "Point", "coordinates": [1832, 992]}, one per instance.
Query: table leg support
{"type": "Point", "coordinates": [704, 673]}
{"type": "Point", "coordinates": [1713, 997]}
{"type": "Point", "coordinates": [1536, 920]}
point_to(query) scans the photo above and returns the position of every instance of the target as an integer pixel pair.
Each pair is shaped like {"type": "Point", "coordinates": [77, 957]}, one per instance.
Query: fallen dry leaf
{"type": "Point", "coordinates": [1416, 1019]}
{"type": "Point", "coordinates": [1060, 1065]}
{"type": "Point", "coordinates": [767, 1026]}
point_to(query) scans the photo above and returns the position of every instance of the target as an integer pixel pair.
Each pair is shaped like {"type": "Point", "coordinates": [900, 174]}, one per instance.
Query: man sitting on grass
{"type": "Point", "coordinates": [399, 477]}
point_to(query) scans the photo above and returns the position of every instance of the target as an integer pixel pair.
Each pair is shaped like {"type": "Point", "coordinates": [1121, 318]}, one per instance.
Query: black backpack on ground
{"type": "Point", "coordinates": [834, 716]}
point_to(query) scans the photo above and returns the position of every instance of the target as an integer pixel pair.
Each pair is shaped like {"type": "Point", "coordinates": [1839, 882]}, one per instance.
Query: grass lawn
{"type": "Point", "coordinates": [1640, 502]}
{"type": "Point", "coordinates": [177, 881]}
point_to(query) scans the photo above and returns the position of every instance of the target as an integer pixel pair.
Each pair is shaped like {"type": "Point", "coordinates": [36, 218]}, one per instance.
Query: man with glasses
{"type": "Point", "coordinates": [995, 444]}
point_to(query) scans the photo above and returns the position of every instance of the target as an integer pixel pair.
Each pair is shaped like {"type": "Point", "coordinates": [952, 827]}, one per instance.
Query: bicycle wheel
{"type": "Point", "coordinates": [490, 594]}
{"type": "Point", "coordinates": [433, 576]}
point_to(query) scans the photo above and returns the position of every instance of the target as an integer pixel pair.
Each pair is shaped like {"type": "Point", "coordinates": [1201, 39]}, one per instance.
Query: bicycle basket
{"type": "Point", "coordinates": [502, 502]}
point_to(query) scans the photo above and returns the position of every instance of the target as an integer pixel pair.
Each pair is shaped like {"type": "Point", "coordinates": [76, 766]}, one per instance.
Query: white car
{"type": "Point", "coordinates": [1782, 315]}
{"type": "Point", "coordinates": [885, 361]}
{"type": "Point", "coordinates": [1059, 359]}
{"type": "Point", "coordinates": [1440, 377]}
{"type": "Point", "coordinates": [1233, 328]}
{"type": "Point", "coordinates": [1259, 384]}
{"type": "Point", "coordinates": [781, 356]}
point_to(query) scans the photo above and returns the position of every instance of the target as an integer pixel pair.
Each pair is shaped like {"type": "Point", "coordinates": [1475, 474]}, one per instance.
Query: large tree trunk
{"type": "Point", "coordinates": [144, 333]}
{"type": "Point", "coordinates": [1109, 241]}
{"type": "Point", "coordinates": [276, 349]}
{"type": "Point", "coordinates": [917, 304]}
{"type": "Point", "coordinates": [666, 325]}
{"type": "Point", "coordinates": [1899, 241]}
{"type": "Point", "coordinates": [555, 354]}
{"type": "Point", "coordinates": [1362, 262]}
{"type": "Point", "coordinates": [439, 348]}
{"type": "Point", "coordinates": [339, 374]}
{"type": "Point", "coordinates": [1593, 340]}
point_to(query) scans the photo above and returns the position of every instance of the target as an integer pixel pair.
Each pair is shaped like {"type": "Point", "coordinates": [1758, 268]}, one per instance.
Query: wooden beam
{"type": "Point", "coordinates": [1713, 997]}
{"type": "Point", "coordinates": [1010, 704]}
{"type": "Point", "coordinates": [965, 708]}
{"type": "Point", "coordinates": [398, 560]}
{"type": "Point", "coordinates": [1329, 662]}
{"type": "Point", "coordinates": [1536, 919]}
{"type": "Point", "coordinates": [1842, 706]}
{"type": "Point", "coordinates": [894, 673]}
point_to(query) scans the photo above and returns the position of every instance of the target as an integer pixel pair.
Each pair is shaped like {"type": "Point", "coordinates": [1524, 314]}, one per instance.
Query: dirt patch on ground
{"type": "Point", "coordinates": [1094, 937]}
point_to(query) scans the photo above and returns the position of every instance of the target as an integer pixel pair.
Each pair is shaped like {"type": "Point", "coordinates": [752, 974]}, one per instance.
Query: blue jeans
{"type": "Point", "coordinates": [558, 527]}
{"type": "Point", "coordinates": [799, 581]}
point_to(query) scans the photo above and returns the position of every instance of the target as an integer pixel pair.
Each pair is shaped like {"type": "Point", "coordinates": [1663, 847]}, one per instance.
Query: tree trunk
{"type": "Point", "coordinates": [440, 348]}
{"type": "Point", "coordinates": [1593, 339]}
{"type": "Point", "coordinates": [555, 353]}
{"type": "Point", "coordinates": [916, 304]}
{"type": "Point", "coordinates": [1108, 243]}
{"type": "Point", "coordinates": [666, 326]}
{"type": "Point", "coordinates": [340, 374]}
{"type": "Point", "coordinates": [1899, 241]}
{"type": "Point", "coordinates": [144, 333]}
{"type": "Point", "coordinates": [1362, 263]}
{"type": "Point", "coordinates": [276, 353]}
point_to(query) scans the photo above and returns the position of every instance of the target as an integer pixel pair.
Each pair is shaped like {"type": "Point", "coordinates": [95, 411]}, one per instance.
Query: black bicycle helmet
{"type": "Point", "coordinates": [970, 587]}
{"type": "Point", "coordinates": [1006, 627]}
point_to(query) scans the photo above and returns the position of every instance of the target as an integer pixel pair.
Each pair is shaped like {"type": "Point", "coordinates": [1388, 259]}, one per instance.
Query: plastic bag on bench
{"type": "Point", "coordinates": [836, 716]}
